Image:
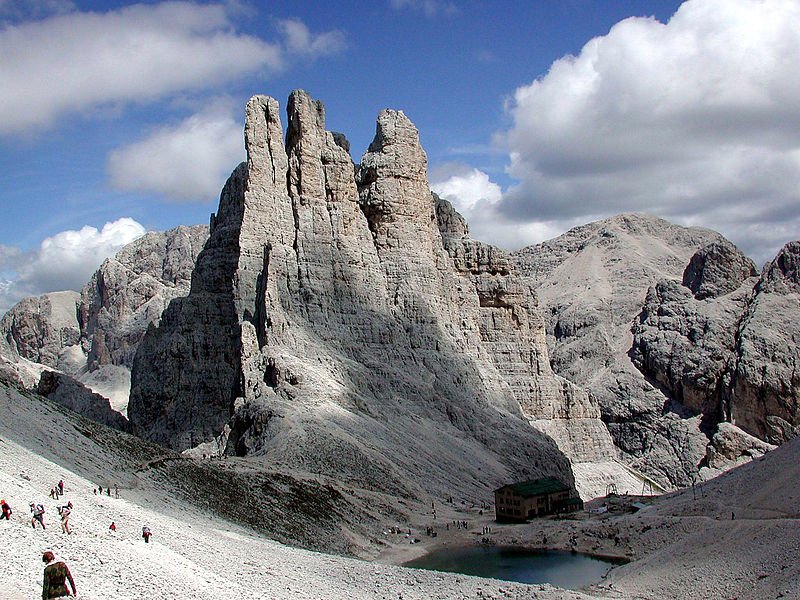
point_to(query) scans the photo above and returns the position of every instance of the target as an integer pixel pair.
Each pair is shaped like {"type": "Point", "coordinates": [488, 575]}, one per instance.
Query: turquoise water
{"type": "Point", "coordinates": [564, 569]}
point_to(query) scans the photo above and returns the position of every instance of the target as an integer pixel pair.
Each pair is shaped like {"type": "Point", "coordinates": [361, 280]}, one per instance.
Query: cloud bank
{"type": "Point", "coordinates": [478, 200]}
{"type": "Point", "coordinates": [696, 120]}
{"type": "Point", "coordinates": [64, 261]}
{"type": "Point", "coordinates": [187, 161]}
{"type": "Point", "coordinates": [141, 53]}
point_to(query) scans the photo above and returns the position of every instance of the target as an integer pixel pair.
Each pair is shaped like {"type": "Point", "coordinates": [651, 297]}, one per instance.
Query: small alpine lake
{"type": "Point", "coordinates": [563, 569]}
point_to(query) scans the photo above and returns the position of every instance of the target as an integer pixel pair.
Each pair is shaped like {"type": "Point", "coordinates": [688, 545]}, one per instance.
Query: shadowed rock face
{"type": "Point", "coordinates": [330, 328]}
{"type": "Point", "coordinates": [725, 351]}
{"type": "Point", "coordinates": [592, 282]}
{"type": "Point", "coordinates": [669, 329]}
{"type": "Point", "coordinates": [716, 270]}
{"type": "Point", "coordinates": [68, 392]}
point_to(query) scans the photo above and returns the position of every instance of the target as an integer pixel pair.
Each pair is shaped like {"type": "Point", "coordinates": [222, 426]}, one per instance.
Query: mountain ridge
{"type": "Point", "coordinates": [336, 292]}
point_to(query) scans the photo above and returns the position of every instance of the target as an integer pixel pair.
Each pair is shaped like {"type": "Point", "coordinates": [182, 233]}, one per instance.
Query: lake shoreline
{"type": "Point", "coordinates": [594, 535]}
{"type": "Point", "coordinates": [561, 568]}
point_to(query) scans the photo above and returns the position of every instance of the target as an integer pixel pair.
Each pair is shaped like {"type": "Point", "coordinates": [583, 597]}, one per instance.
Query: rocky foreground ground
{"type": "Point", "coordinates": [684, 545]}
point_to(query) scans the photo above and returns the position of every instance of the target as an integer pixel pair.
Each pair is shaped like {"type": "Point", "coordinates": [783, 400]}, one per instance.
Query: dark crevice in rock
{"type": "Point", "coordinates": [260, 318]}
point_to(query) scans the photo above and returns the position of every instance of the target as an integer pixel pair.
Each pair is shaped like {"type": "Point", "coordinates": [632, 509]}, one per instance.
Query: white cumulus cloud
{"type": "Point", "coordinates": [64, 261]}
{"type": "Point", "coordinates": [477, 198]}
{"type": "Point", "coordinates": [299, 40]}
{"type": "Point", "coordinates": [465, 187]}
{"type": "Point", "coordinates": [186, 161]}
{"type": "Point", "coordinates": [79, 61]}
{"type": "Point", "coordinates": [696, 120]}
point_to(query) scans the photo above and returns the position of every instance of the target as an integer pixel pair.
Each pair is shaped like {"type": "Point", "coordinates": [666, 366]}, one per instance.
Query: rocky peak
{"type": "Point", "coordinates": [717, 269]}
{"type": "Point", "coordinates": [396, 158]}
{"type": "Point", "coordinates": [263, 135]}
{"type": "Point", "coordinates": [92, 336]}
{"type": "Point", "coordinates": [340, 336]}
{"type": "Point", "coordinates": [131, 289]}
{"type": "Point", "coordinates": [592, 282]}
{"type": "Point", "coordinates": [451, 224]}
{"type": "Point", "coordinates": [305, 140]}
{"type": "Point", "coordinates": [728, 353]}
{"type": "Point", "coordinates": [40, 328]}
{"type": "Point", "coordinates": [783, 272]}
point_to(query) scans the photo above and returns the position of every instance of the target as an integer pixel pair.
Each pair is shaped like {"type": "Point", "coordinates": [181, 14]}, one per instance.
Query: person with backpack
{"type": "Point", "coordinates": [56, 575]}
{"type": "Point", "coordinates": [38, 515]}
{"type": "Point", "coordinates": [7, 512]}
{"type": "Point", "coordinates": [146, 534]}
{"type": "Point", "coordinates": [65, 511]}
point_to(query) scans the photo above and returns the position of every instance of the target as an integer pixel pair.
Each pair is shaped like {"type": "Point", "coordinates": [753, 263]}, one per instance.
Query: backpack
{"type": "Point", "coordinates": [39, 509]}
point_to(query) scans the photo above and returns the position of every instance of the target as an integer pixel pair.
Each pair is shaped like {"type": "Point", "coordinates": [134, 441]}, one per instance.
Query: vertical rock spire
{"type": "Point", "coordinates": [338, 334]}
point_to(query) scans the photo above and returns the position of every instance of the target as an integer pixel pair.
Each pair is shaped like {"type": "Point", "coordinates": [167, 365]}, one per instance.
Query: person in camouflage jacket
{"type": "Point", "coordinates": [56, 575]}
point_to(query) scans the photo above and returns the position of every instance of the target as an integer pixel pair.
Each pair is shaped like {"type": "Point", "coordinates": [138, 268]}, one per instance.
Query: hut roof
{"type": "Point", "coordinates": [536, 487]}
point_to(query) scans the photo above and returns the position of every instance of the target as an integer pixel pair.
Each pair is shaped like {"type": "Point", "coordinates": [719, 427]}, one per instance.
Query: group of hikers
{"type": "Point", "coordinates": [99, 490]}
{"type": "Point", "coordinates": [56, 571]}
{"type": "Point", "coordinates": [37, 516]}
{"type": "Point", "coordinates": [58, 490]}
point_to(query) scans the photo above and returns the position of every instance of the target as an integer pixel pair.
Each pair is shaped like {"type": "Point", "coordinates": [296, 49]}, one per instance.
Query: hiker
{"type": "Point", "coordinates": [108, 492]}
{"type": "Point", "coordinates": [61, 486]}
{"type": "Point", "coordinates": [113, 526]}
{"type": "Point", "coordinates": [53, 493]}
{"type": "Point", "coordinates": [116, 491]}
{"type": "Point", "coordinates": [56, 575]}
{"type": "Point", "coordinates": [38, 515]}
{"type": "Point", "coordinates": [65, 511]}
{"type": "Point", "coordinates": [146, 534]}
{"type": "Point", "coordinates": [7, 512]}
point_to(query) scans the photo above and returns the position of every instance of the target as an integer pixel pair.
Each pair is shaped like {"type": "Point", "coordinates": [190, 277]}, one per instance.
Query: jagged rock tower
{"type": "Point", "coordinates": [340, 321]}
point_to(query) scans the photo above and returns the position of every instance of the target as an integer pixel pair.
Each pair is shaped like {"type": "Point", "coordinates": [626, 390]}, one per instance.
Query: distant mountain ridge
{"type": "Point", "coordinates": [93, 335]}
{"type": "Point", "coordinates": [625, 301]}
{"type": "Point", "coordinates": [340, 320]}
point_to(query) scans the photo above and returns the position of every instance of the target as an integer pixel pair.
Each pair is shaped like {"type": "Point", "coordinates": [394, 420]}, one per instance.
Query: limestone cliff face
{"type": "Point", "coordinates": [131, 290]}
{"type": "Point", "coordinates": [685, 336]}
{"type": "Point", "coordinates": [592, 282]}
{"type": "Point", "coordinates": [512, 331]}
{"type": "Point", "coordinates": [764, 394]}
{"type": "Point", "coordinates": [332, 328]}
{"type": "Point", "coordinates": [92, 336]}
{"type": "Point", "coordinates": [722, 343]}
{"type": "Point", "coordinates": [44, 329]}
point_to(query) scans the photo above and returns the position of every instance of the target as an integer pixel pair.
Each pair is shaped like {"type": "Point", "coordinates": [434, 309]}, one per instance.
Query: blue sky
{"type": "Point", "coordinates": [536, 116]}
